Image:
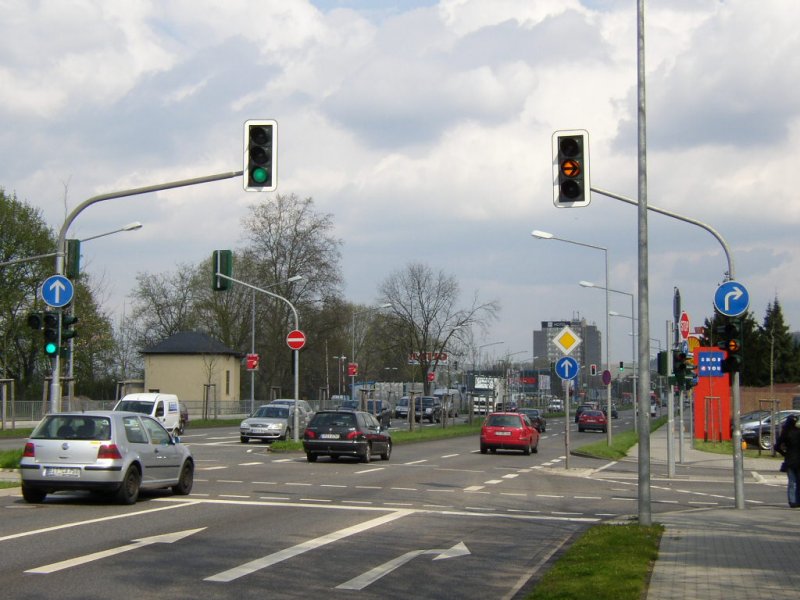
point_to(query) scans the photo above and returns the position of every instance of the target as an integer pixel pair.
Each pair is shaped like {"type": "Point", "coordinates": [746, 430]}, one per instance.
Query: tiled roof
{"type": "Point", "coordinates": [190, 342]}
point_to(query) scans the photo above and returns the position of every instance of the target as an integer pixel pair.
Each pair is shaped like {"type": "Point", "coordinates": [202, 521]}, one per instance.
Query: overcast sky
{"type": "Point", "coordinates": [425, 129]}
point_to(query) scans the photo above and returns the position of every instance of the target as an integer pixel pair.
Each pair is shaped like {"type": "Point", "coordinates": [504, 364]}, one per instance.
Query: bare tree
{"type": "Point", "coordinates": [424, 305]}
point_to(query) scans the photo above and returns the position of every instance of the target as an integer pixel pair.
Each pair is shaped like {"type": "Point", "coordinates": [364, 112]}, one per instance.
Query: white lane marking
{"type": "Point", "coordinates": [13, 536]}
{"type": "Point", "coordinates": [280, 556]}
{"type": "Point", "coordinates": [511, 476]}
{"type": "Point", "coordinates": [416, 462]}
{"type": "Point", "coordinates": [370, 470]}
{"type": "Point", "coordinates": [405, 489]}
{"type": "Point", "coordinates": [332, 485]}
{"type": "Point", "coordinates": [493, 481]}
{"type": "Point", "coordinates": [250, 464]}
{"type": "Point", "coordinates": [448, 456]}
{"type": "Point", "coordinates": [167, 538]}
{"type": "Point", "coordinates": [212, 468]}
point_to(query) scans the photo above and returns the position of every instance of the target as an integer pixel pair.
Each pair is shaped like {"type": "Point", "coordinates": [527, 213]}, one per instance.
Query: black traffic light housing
{"type": "Point", "coordinates": [35, 320]}
{"type": "Point", "coordinates": [260, 155]}
{"type": "Point", "coordinates": [221, 264]}
{"type": "Point", "coordinates": [732, 342]}
{"type": "Point", "coordinates": [571, 183]}
{"type": "Point", "coordinates": [52, 332]}
{"type": "Point", "coordinates": [68, 330]}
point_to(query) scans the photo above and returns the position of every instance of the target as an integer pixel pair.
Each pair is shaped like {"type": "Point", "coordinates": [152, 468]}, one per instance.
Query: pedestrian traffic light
{"type": "Point", "coordinates": [51, 332]}
{"type": "Point", "coordinates": [571, 184]}
{"type": "Point", "coordinates": [260, 155]}
{"type": "Point", "coordinates": [733, 344]}
{"type": "Point", "coordinates": [221, 264]}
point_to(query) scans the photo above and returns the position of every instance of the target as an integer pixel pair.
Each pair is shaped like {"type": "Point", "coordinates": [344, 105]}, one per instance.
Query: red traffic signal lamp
{"type": "Point", "coordinates": [571, 183]}
{"type": "Point", "coordinates": [260, 155]}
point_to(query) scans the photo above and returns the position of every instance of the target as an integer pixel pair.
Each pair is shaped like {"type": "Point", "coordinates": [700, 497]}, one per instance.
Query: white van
{"type": "Point", "coordinates": [164, 408]}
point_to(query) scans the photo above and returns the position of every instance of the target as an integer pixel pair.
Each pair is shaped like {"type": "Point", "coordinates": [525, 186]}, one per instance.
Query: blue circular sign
{"type": "Point", "coordinates": [567, 367]}
{"type": "Point", "coordinates": [731, 299]}
{"type": "Point", "coordinates": [57, 291]}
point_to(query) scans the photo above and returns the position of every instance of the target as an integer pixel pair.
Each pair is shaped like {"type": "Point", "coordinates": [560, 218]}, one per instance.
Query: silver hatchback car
{"type": "Point", "coordinates": [114, 452]}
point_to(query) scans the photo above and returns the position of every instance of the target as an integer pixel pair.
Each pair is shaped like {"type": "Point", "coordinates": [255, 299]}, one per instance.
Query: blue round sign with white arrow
{"type": "Point", "coordinates": [567, 367]}
{"type": "Point", "coordinates": [57, 291]}
{"type": "Point", "coordinates": [731, 299]}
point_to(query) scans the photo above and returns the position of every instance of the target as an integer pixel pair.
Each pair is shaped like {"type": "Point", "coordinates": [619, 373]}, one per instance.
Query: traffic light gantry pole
{"type": "Point", "coordinates": [61, 249]}
{"type": "Point", "coordinates": [738, 459]}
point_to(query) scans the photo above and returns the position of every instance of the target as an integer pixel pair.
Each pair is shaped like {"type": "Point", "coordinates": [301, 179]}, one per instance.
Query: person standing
{"type": "Point", "coordinates": [789, 447]}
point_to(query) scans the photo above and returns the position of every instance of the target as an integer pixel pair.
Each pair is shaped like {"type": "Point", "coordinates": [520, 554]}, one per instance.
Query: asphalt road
{"type": "Point", "coordinates": [437, 520]}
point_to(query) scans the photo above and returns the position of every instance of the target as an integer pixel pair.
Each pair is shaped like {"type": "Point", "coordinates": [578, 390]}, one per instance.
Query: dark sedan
{"type": "Point", "coordinates": [338, 433]}
{"type": "Point", "coordinates": [536, 418]}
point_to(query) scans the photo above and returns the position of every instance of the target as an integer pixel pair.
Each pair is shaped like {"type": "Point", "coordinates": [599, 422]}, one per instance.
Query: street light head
{"type": "Point", "coordinates": [387, 305]}
{"type": "Point", "coordinates": [294, 278]}
{"type": "Point", "coordinates": [586, 284]}
{"type": "Point", "coordinates": [132, 226]}
{"type": "Point", "coordinates": [541, 234]}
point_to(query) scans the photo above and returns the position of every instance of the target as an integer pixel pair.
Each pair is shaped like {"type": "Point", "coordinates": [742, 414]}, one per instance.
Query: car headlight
{"type": "Point", "coordinates": [275, 426]}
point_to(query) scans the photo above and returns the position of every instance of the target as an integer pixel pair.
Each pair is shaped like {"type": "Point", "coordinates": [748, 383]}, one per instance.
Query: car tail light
{"type": "Point", "coordinates": [29, 450]}
{"type": "Point", "coordinates": [354, 435]}
{"type": "Point", "coordinates": [310, 435]}
{"type": "Point", "coordinates": [108, 451]}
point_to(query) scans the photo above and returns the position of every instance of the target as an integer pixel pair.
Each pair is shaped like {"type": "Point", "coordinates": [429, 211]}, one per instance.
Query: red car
{"type": "Point", "coordinates": [509, 431]}
{"type": "Point", "coordinates": [593, 419]}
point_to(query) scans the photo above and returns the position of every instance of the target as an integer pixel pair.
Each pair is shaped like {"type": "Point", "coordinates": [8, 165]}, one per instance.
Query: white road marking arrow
{"type": "Point", "coordinates": [167, 538]}
{"type": "Point", "coordinates": [371, 576]}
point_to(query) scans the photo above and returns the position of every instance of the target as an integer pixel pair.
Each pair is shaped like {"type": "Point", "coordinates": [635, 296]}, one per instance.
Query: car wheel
{"type": "Point", "coordinates": [310, 457]}
{"type": "Point", "coordinates": [367, 456]}
{"type": "Point", "coordinates": [243, 439]}
{"type": "Point", "coordinates": [185, 481]}
{"type": "Point", "coordinates": [128, 491]}
{"type": "Point", "coordinates": [527, 450]}
{"type": "Point", "coordinates": [605, 429]}
{"type": "Point", "coordinates": [388, 453]}
{"type": "Point", "coordinates": [535, 449]}
{"type": "Point", "coordinates": [484, 449]}
{"type": "Point", "coordinates": [179, 428]}
{"type": "Point", "coordinates": [580, 429]}
{"type": "Point", "coordinates": [33, 496]}
{"type": "Point", "coordinates": [493, 450]}
{"type": "Point", "coordinates": [766, 442]}
{"type": "Point", "coordinates": [287, 437]}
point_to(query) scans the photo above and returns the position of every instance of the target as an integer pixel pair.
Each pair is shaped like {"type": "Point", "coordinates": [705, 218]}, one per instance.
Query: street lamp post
{"type": "Point", "coordinates": [355, 314]}
{"type": "Point", "coordinates": [543, 235]}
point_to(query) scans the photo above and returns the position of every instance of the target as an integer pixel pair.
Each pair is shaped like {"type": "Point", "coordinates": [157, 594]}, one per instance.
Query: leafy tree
{"type": "Point", "coordinates": [777, 356]}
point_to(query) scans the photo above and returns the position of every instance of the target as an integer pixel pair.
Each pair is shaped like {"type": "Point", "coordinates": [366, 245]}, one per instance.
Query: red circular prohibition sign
{"type": "Point", "coordinates": [296, 339]}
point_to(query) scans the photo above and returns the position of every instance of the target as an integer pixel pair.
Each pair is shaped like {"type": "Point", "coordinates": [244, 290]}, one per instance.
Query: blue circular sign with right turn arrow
{"type": "Point", "coordinates": [731, 299]}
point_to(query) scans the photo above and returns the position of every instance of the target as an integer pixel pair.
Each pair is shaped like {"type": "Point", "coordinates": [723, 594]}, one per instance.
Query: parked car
{"type": "Point", "coordinates": [269, 422]}
{"type": "Point", "coordinates": [508, 431]}
{"type": "Point", "coordinates": [536, 418]}
{"type": "Point", "coordinates": [614, 411]}
{"type": "Point", "coordinates": [401, 409]}
{"type": "Point", "coordinates": [162, 407]}
{"type": "Point", "coordinates": [113, 452]}
{"type": "Point", "coordinates": [759, 433]}
{"type": "Point", "coordinates": [338, 433]}
{"type": "Point", "coordinates": [593, 419]}
{"type": "Point", "coordinates": [427, 408]}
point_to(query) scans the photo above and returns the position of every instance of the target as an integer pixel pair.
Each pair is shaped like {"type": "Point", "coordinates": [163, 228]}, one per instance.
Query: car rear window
{"type": "Point", "coordinates": [503, 421]}
{"type": "Point", "coordinates": [592, 413]}
{"type": "Point", "coordinates": [73, 427]}
{"type": "Point", "coordinates": [333, 420]}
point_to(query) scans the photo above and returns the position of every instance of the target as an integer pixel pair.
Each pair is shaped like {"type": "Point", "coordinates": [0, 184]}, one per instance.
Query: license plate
{"type": "Point", "coordinates": [330, 436]}
{"type": "Point", "coordinates": [62, 472]}
{"type": "Point", "coordinates": [503, 433]}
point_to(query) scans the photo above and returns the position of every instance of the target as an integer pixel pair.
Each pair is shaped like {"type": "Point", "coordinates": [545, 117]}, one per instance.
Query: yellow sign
{"type": "Point", "coordinates": [567, 340]}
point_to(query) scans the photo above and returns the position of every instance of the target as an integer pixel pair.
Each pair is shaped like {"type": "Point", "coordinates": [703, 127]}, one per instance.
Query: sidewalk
{"type": "Point", "coordinates": [726, 553]}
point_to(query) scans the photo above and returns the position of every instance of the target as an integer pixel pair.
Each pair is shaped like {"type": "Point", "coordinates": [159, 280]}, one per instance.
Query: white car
{"type": "Point", "coordinates": [112, 452]}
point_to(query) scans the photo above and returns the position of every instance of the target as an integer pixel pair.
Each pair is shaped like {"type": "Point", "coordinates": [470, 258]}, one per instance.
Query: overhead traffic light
{"type": "Point", "coordinates": [73, 259]}
{"type": "Point", "coordinates": [260, 155]}
{"type": "Point", "coordinates": [571, 184]}
{"type": "Point", "coordinates": [52, 325]}
{"type": "Point", "coordinates": [221, 264]}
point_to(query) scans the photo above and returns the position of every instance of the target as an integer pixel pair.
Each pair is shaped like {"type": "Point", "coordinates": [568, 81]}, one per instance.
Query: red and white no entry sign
{"type": "Point", "coordinates": [296, 339]}
{"type": "Point", "coordinates": [683, 326]}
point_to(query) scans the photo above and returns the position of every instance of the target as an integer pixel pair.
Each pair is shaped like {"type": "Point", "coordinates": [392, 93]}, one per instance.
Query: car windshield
{"type": "Point", "coordinates": [139, 406]}
{"type": "Point", "coordinates": [334, 419]}
{"type": "Point", "coordinates": [503, 421]}
{"type": "Point", "coordinates": [402, 402]}
{"type": "Point", "coordinates": [272, 412]}
{"type": "Point", "coordinates": [73, 427]}
{"type": "Point", "coordinates": [350, 404]}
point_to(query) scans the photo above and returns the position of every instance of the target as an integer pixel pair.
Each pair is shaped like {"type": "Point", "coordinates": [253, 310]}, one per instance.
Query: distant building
{"type": "Point", "coordinates": [588, 353]}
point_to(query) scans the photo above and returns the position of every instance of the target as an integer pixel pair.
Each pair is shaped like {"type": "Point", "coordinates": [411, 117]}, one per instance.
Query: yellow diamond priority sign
{"type": "Point", "coordinates": [567, 340]}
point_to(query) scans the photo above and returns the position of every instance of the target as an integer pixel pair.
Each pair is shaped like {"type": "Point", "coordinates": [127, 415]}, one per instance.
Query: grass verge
{"type": "Point", "coordinates": [610, 562]}
{"type": "Point", "coordinates": [620, 443]}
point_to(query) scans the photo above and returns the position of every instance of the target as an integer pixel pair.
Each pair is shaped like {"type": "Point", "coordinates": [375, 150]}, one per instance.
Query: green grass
{"type": "Point", "coordinates": [726, 447]}
{"type": "Point", "coordinates": [609, 562]}
{"type": "Point", "coordinates": [16, 433]}
{"type": "Point", "coordinates": [9, 459]}
{"type": "Point", "coordinates": [620, 443]}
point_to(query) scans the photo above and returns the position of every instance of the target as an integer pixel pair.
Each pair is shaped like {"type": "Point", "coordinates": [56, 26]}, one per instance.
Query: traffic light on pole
{"type": "Point", "coordinates": [571, 184]}
{"type": "Point", "coordinates": [35, 320]}
{"type": "Point", "coordinates": [52, 326]}
{"type": "Point", "coordinates": [221, 264]}
{"type": "Point", "coordinates": [621, 366]}
{"type": "Point", "coordinates": [689, 373]}
{"type": "Point", "coordinates": [663, 369]}
{"type": "Point", "coordinates": [73, 259]}
{"type": "Point", "coordinates": [733, 344]}
{"type": "Point", "coordinates": [67, 330]}
{"type": "Point", "coordinates": [260, 155]}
